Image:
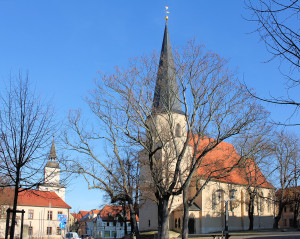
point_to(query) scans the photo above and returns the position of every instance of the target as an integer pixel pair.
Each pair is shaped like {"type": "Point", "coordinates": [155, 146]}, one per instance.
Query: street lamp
{"type": "Point", "coordinates": [232, 196]}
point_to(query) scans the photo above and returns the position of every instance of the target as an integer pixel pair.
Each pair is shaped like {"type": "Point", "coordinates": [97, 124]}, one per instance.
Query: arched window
{"type": "Point", "coordinates": [261, 202]}
{"type": "Point", "coordinates": [232, 198]}
{"type": "Point", "coordinates": [178, 130]}
{"type": "Point", "coordinates": [214, 201]}
{"type": "Point", "coordinates": [179, 223]}
{"type": "Point", "coordinates": [242, 201]}
{"type": "Point", "coordinates": [175, 222]}
{"type": "Point", "coordinates": [269, 202]}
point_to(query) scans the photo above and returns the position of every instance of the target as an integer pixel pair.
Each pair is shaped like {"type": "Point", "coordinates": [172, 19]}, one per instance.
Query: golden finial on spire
{"type": "Point", "coordinates": [167, 12]}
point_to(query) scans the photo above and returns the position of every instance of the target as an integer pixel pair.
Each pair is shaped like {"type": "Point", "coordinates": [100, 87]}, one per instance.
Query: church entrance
{"type": "Point", "coordinates": [191, 226]}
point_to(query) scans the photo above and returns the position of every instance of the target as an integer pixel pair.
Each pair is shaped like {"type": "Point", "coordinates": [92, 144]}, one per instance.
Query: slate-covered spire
{"type": "Point", "coordinates": [52, 155]}
{"type": "Point", "coordinates": [166, 95]}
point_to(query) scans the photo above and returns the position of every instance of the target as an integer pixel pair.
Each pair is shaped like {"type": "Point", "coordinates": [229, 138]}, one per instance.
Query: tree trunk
{"type": "Point", "coordinates": [134, 226]}
{"type": "Point", "coordinates": [296, 213]}
{"type": "Point", "coordinates": [185, 219]}
{"type": "Point", "coordinates": [295, 219]}
{"type": "Point", "coordinates": [278, 217]}
{"type": "Point", "coordinates": [251, 213]}
{"type": "Point", "coordinates": [163, 218]}
{"type": "Point", "coordinates": [14, 214]}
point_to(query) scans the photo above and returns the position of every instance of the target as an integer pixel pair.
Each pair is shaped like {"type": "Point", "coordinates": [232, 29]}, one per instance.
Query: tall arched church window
{"type": "Point", "coordinates": [269, 202]}
{"type": "Point", "coordinates": [261, 202]}
{"type": "Point", "coordinates": [178, 130]}
{"type": "Point", "coordinates": [175, 222]}
{"type": "Point", "coordinates": [232, 198]}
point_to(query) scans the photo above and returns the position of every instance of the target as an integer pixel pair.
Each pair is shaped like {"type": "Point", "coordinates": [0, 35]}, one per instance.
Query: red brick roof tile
{"type": "Point", "coordinates": [111, 211]}
{"type": "Point", "coordinates": [36, 198]}
{"type": "Point", "coordinates": [222, 158]}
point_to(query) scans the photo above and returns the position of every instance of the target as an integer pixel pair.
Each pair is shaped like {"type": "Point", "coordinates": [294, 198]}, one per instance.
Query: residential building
{"type": "Point", "coordinates": [42, 207]}
{"type": "Point", "coordinates": [109, 222]}
{"type": "Point", "coordinates": [207, 213]}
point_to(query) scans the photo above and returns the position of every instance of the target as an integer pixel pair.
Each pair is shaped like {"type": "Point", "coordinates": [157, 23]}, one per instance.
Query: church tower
{"type": "Point", "coordinates": [52, 175]}
{"type": "Point", "coordinates": [167, 114]}
{"type": "Point", "coordinates": [168, 127]}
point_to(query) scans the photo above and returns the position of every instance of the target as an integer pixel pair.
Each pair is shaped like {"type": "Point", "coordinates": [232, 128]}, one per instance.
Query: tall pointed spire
{"type": "Point", "coordinates": [166, 95]}
{"type": "Point", "coordinates": [52, 155]}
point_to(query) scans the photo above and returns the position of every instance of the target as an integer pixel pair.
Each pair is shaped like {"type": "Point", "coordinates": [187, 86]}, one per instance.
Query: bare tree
{"type": "Point", "coordinates": [278, 26]}
{"type": "Point", "coordinates": [26, 123]}
{"type": "Point", "coordinates": [208, 107]}
{"type": "Point", "coordinates": [285, 151]}
{"type": "Point", "coordinates": [256, 150]}
{"type": "Point", "coordinates": [117, 173]}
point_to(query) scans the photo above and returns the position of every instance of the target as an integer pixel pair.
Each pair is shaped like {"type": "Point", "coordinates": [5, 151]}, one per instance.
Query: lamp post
{"type": "Point", "coordinates": [232, 196]}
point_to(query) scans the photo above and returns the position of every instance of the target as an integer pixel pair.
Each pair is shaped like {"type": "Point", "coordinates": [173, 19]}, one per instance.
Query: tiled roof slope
{"type": "Point", "coordinates": [36, 198]}
{"type": "Point", "coordinates": [83, 213]}
{"type": "Point", "coordinates": [111, 211]}
{"type": "Point", "coordinates": [77, 216]}
{"type": "Point", "coordinates": [223, 157]}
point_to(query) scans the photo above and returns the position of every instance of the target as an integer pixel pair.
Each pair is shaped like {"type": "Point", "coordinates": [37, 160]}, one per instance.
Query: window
{"type": "Point", "coordinates": [261, 205]}
{"type": "Point", "coordinates": [49, 230]}
{"type": "Point", "coordinates": [178, 131]}
{"type": "Point", "coordinates": [269, 202]}
{"type": "Point", "coordinates": [30, 231]}
{"type": "Point", "coordinates": [115, 223]}
{"type": "Point", "coordinates": [214, 201]}
{"type": "Point", "coordinates": [149, 223]}
{"type": "Point", "coordinates": [49, 215]}
{"type": "Point", "coordinates": [114, 234]}
{"type": "Point", "coordinates": [232, 197]}
{"type": "Point", "coordinates": [59, 212]}
{"type": "Point", "coordinates": [106, 233]}
{"type": "Point", "coordinates": [232, 194]}
{"type": "Point", "coordinates": [175, 222]}
{"type": "Point", "coordinates": [30, 214]}
{"type": "Point", "coordinates": [107, 224]}
{"type": "Point", "coordinates": [58, 231]}
{"type": "Point", "coordinates": [284, 209]}
{"type": "Point", "coordinates": [179, 226]}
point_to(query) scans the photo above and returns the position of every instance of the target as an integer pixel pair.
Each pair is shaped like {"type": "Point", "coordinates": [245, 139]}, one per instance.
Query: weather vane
{"type": "Point", "coordinates": [167, 12]}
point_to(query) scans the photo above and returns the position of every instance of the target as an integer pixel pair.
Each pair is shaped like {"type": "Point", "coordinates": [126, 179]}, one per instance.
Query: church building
{"type": "Point", "coordinates": [208, 211]}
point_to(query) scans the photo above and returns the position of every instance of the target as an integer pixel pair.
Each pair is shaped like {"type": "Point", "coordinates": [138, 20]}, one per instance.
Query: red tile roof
{"type": "Point", "coordinates": [36, 198]}
{"type": "Point", "coordinates": [223, 157]}
{"type": "Point", "coordinates": [77, 216]}
{"type": "Point", "coordinates": [83, 213]}
{"type": "Point", "coordinates": [109, 212]}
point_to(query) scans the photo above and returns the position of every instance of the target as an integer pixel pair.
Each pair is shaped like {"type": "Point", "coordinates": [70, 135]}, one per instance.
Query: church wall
{"type": "Point", "coordinates": [213, 210]}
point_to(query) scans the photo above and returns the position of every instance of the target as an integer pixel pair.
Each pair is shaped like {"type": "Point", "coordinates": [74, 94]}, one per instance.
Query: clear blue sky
{"type": "Point", "coordinates": [62, 44]}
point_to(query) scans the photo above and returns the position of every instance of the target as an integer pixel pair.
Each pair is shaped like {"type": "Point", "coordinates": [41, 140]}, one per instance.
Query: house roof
{"type": "Point", "coordinates": [83, 213]}
{"type": "Point", "coordinates": [88, 215]}
{"type": "Point", "coordinates": [77, 216]}
{"type": "Point", "coordinates": [34, 198]}
{"type": "Point", "coordinates": [224, 157]}
{"type": "Point", "coordinates": [109, 212]}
